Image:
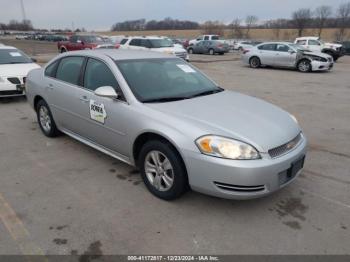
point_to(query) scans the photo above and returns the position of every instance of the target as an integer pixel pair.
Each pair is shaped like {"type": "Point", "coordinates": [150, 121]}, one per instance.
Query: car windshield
{"type": "Point", "coordinates": [298, 47]}
{"type": "Point", "coordinates": [13, 56]}
{"type": "Point", "coordinates": [164, 80]}
{"type": "Point", "coordinates": [159, 43]}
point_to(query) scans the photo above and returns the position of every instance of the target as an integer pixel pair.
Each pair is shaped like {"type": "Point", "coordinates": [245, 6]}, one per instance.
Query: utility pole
{"type": "Point", "coordinates": [23, 11]}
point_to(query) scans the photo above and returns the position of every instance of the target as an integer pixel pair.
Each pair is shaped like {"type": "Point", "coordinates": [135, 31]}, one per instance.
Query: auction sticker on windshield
{"type": "Point", "coordinates": [97, 112]}
{"type": "Point", "coordinates": [186, 68]}
{"type": "Point", "coordinates": [15, 54]}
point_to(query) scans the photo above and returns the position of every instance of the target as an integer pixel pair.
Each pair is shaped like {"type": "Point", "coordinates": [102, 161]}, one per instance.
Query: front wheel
{"type": "Point", "coordinates": [304, 66]}
{"type": "Point", "coordinates": [46, 122]}
{"type": "Point", "coordinates": [190, 51]}
{"type": "Point", "coordinates": [163, 170]}
{"type": "Point", "coordinates": [211, 52]}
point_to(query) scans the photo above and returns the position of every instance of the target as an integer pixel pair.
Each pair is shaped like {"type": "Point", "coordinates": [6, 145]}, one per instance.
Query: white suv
{"type": "Point", "coordinates": [154, 43]}
{"type": "Point", "coordinates": [315, 44]}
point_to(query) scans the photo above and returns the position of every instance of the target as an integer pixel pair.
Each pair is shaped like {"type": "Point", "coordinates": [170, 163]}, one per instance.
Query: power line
{"type": "Point", "coordinates": [23, 11]}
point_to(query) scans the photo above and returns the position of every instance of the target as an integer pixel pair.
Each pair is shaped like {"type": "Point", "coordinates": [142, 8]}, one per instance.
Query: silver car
{"type": "Point", "coordinates": [161, 114]}
{"type": "Point", "coordinates": [287, 55]}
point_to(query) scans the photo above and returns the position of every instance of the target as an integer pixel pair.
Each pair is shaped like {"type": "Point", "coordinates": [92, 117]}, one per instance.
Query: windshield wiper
{"type": "Point", "coordinates": [165, 99]}
{"type": "Point", "coordinates": [205, 93]}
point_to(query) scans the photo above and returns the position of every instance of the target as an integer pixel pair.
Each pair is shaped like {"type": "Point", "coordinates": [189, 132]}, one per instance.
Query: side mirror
{"type": "Point", "coordinates": [34, 60]}
{"type": "Point", "coordinates": [106, 91]}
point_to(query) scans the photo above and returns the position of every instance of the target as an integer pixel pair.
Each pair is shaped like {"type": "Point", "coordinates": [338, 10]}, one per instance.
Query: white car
{"type": "Point", "coordinates": [204, 38]}
{"type": "Point", "coordinates": [315, 44]}
{"type": "Point", "coordinates": [287, 55]}
{"type": "Point", "coordinates": [14, 68]}
{"type": "Point", "coordinates": [154, 43]}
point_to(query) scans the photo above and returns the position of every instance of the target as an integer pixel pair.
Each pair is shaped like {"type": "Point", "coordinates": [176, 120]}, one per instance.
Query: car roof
{"type": "Point", "coordinates": [6, 47]}
{"type": "Point", "coordinates": [118, 54]}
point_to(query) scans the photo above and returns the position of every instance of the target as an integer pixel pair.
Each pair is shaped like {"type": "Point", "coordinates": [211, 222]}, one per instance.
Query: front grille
{"type": "Point", "coordinates": [182, 55]}
{"type": "Point", "coordinates": [14, 80]}
{"type": "Point", "coordinates": [240, 189]}
{"type": "Point", "coordinates": [283, 149]}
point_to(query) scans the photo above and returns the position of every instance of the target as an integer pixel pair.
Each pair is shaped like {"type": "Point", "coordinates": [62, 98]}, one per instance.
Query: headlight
{"type": "Point", "coordinates": [295, 119]}
{"type": "Point", "coordinates": [320, 59]}
{"type": "Point", "coordinates": [226, 148]}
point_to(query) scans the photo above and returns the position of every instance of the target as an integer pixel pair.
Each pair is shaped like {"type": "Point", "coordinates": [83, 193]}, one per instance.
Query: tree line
{"type": "Point", "coordinates": [165, 24]}
{"type": "Point", "coordinates": [24, 25]}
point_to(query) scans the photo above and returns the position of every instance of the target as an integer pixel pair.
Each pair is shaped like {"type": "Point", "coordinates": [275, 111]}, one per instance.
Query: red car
{"type": "Point", "coordinates": [84, 42]}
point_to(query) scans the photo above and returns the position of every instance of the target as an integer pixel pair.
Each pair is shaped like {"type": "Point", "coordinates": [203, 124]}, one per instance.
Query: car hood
{"type": "Point", "coordinates": [315, 53]}
{"type": "Point", "coordinates": [17, 69]}
{"type": "Point", "coordinates": [234, 115]}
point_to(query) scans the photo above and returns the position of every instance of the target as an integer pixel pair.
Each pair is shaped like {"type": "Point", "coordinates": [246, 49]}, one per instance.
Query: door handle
{"type": "Point", "coordinates": [84, 99]}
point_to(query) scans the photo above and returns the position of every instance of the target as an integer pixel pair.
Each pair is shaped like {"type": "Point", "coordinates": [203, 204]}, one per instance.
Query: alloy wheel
{"type": "Point", "coordinates": [159, 171]}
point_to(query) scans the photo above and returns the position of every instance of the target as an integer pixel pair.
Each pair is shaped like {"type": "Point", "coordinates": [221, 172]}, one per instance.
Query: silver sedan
{"type": "Point", "coordinates": [161, 114]}
{"type": "Point", "coordinates": [287, 55]}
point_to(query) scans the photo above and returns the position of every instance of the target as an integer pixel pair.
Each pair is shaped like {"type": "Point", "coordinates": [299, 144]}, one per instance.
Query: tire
{"type": "Point", "coordinates": [190, 51]}
{"type": "Point", "coordinates": [46, 122]}
{"type": "Point", "coordinates": [254, 62]}
{"type": "Point", "coordinates": [172, 180]}
{"type": "Point", "coordinates": [63, 50]}
{"type": "Point", "coordinates": [304, 66]}
{"type": "Point", "coordinates": [211, 52]}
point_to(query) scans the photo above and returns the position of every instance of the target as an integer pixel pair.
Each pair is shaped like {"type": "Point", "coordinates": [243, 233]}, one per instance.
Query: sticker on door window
{"type": "Point", "coordinates": [97, 112]}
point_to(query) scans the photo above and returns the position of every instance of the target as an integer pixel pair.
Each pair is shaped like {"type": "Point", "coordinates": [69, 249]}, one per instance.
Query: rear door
{"type": "Point", "coordinates": [284, 57]}
{"type": "Point", "coordinates": [267, 53]}
{"type": "Point", "coordinates": [64, 93]}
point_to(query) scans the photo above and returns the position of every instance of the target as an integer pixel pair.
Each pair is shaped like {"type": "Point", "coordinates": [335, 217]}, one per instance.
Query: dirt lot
{"type": "Point", "coordinates": [58, 196]}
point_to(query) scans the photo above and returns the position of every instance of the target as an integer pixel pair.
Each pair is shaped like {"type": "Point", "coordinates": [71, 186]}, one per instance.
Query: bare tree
{"type": "Point", "coordinates": [213, 27]}
{"type": "Point", "coordinates": [237, 28]}
{"type": "Point", "coordinates": [322, 13]}
{"type": "Point", "coordinates": [344, 19]}
{"type": "Point", "coordinates": [301, 19]}
{"type": "Point", "coordinates": [250, 21]}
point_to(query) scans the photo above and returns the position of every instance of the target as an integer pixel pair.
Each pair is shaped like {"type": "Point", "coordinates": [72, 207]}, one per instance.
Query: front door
{"type": "Point", "coordinates": [284, 56]}
{"type": "Point", "coordinates": [105, 119]}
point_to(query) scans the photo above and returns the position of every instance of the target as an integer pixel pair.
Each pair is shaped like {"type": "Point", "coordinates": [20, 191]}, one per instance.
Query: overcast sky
{"type": "Point", "coordinates": [101, 14]}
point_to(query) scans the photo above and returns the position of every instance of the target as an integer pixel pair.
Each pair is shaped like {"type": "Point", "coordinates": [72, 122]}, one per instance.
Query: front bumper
{"type": "Point", "coordinates": [11, 90]}
{"type": "Point", "coordinates": [322, 66]}
{"type": "Point", "coordinates": [233, 179]}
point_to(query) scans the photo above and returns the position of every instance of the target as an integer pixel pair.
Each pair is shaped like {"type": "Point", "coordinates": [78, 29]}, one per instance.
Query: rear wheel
{"type": "Point", "coordinates": [254, 62]}
{"type": "Point", "coordinates": [190, 51]}
{"type": "Point", "coordinates": [211, 52]}
{"type": "Point", "coordinates": [304, 66]}
{"type": "Point", "coordinates": [63, 50]}
{"type": "Point", "coordinates": [162, 170]}
{"type": "Point", "coordinates": [46, 122]}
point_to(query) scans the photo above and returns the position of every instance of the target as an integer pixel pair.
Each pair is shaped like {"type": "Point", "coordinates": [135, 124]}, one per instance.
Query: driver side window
{"type": "Point", "coordinates": [97, 74]}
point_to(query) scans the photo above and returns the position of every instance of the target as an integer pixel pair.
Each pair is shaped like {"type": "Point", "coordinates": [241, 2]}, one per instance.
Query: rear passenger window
{"type": "Point", "coordinates": [97, 74]}
{"type": "Point", "coordinates": [51, 69]}
{"type": "Point", "coordinates": [267, 47]}
{"type": "Point", "coordinates": [69, 69]}
{"type": "Point", "coordinates": [301, 42]}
